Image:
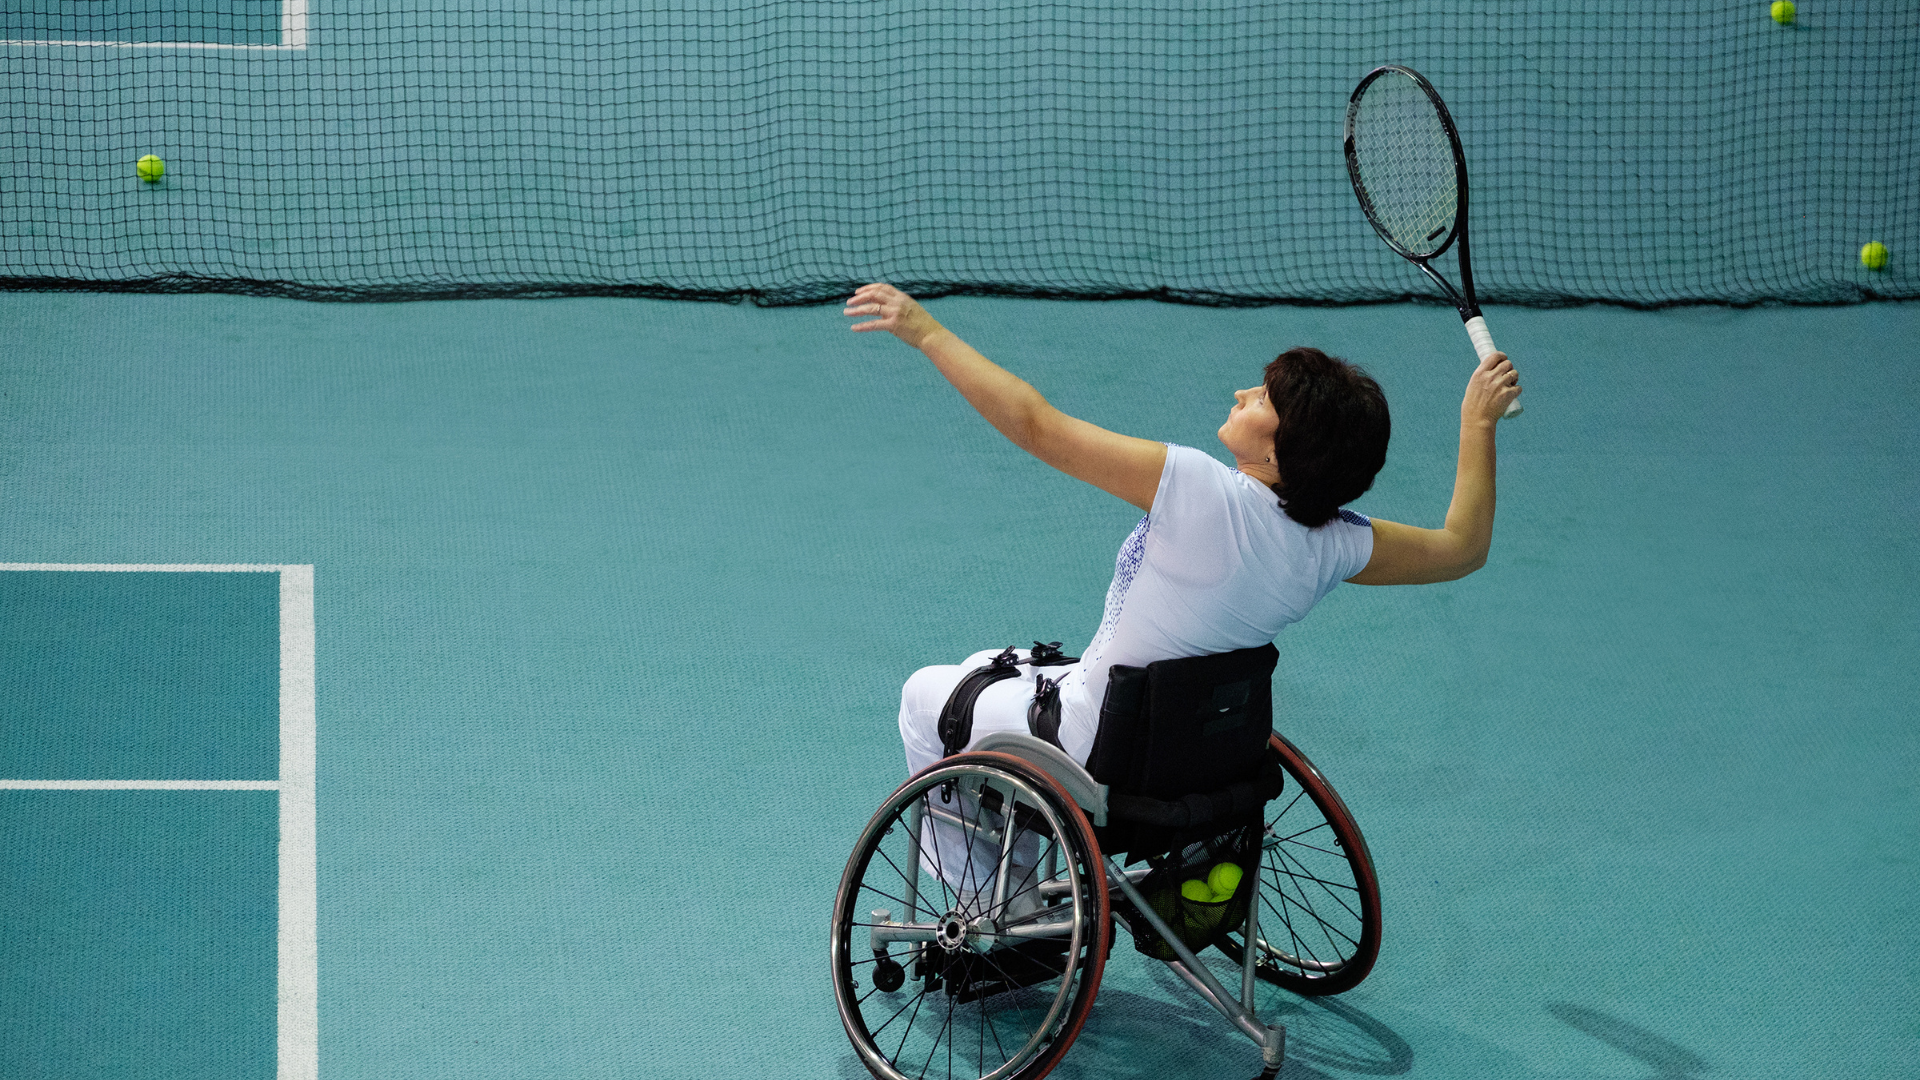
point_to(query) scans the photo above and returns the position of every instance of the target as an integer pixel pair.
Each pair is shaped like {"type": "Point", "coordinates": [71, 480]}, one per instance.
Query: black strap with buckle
{"type": "Point", "coordinates": [956, 716]}
{"type": "Point", "coordinates": [1047, 654]}
{"type": "Point", "coordinates": [1043, 716]}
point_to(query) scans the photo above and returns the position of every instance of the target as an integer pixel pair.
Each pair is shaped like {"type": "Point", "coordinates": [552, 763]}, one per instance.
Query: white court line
{"type": "Point", "coordinates": [293, 36]}
{"type": "Point", "coordinates": [299, 947]}
{"type": "Point", "coordinates": [299, 836]}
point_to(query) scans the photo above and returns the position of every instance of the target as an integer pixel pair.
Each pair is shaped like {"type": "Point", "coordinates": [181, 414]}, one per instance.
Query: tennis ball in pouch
{"type": "Point", "coordinates": [1224, 879]}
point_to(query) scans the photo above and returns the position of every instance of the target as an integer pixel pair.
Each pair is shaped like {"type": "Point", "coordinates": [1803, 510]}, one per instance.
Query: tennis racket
{"type": "Point", "coordinates": [1403, 155]}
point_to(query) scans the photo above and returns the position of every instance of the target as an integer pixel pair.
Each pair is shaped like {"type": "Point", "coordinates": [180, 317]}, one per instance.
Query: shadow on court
{"type": "Point", "coordinates": [1170, 1031]}
{"type": "Point", "coordinates": [1668, 1059]}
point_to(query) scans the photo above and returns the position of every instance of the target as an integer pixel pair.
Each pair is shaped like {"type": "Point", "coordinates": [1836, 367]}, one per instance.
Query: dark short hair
{"type": "Point", "coordinates": [1332, 438]}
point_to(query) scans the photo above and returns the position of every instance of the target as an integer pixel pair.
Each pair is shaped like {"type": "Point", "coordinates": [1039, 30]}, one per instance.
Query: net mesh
{"type": "Point", "coordinates": [784, 151]}
{"type": "Point", "coordinates": [1403, 161]}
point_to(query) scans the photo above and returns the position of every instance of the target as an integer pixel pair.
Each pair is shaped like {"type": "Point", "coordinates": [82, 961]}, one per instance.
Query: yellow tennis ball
{"type": "Point", "coordinates": [1196, 890]}
{"type": "Point", "coordinates": [150, 168]}
{"type": "Point", "coordinates": [1224, 880]}
{"type": "Point", "coordinates": [1783, 11]}
{"type": "Point", "coordinates": [1874, 256]}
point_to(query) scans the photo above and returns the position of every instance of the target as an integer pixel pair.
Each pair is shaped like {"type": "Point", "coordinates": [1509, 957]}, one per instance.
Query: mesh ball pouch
{"type": "Point", "coordinates": [1197, 923]}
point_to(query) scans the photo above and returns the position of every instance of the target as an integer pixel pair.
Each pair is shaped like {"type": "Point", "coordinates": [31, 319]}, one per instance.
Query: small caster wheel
{"type": "Point", "coordinates": [888, 976]}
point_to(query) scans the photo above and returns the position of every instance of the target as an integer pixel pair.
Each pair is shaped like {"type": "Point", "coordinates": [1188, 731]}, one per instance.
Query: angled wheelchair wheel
{"type": "Point", "coordinates": [1319, 923]}
{"type": "Point", "coordinates": [956, 954]}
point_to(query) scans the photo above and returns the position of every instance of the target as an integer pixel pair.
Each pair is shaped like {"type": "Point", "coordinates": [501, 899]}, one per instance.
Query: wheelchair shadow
{"type": "Point", "coordinates": [1668, 1059]}
{"type": "Point", "coordinates": [1174, 1033]}
{"type": "Point", "coordinates": [1130, 1034]}
{"type": "Point", "coordinates": [1133, 1035]}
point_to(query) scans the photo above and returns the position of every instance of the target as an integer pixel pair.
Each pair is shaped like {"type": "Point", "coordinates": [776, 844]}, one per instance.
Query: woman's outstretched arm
{"type": "Point", "coordinates": [1405, 555]}
{"type": "Point", "coordinates": [1118, 464]}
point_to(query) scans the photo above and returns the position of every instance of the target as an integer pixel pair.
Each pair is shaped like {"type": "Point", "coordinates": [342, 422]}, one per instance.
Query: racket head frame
{"type": "Point", "coordinates": [1462, 297]}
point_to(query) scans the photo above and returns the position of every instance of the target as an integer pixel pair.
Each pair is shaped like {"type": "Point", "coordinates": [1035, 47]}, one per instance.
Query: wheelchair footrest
{"type": "Point", "coordinates": [969, 976]}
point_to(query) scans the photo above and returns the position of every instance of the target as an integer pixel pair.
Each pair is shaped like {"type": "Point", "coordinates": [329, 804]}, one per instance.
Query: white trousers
{"type": "Point", "coordinates": [969, 869]}
{"type": "Point", "coordinates": [1000, 707]}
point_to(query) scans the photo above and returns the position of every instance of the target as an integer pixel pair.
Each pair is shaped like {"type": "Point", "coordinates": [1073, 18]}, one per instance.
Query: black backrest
{"type": "Point", "coordinates": [1177, 727]}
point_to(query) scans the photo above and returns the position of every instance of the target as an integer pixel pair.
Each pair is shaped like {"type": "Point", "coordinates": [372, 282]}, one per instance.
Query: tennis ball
{"type": "Point", "coordinates": [1196, 890]}
{"type": "Point", "coordinates": [1783, 11]}
{"type": "Point", "coordinates": [1224, 879]}
{"type": "Point", "coordinates": [150, 168]}
{"type": "Point", "coordinates": [1874, 256]}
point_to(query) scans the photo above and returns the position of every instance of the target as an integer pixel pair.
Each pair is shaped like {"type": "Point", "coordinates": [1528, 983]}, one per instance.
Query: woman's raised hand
{"type": "Point", "coordinates": [1492, 388]}
{"type": "Point", "coordinates": [896, 312]}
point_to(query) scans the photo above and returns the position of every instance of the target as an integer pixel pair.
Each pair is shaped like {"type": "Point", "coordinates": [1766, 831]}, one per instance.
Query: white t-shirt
{"type": "Point", "coordinates": [1216, 566]}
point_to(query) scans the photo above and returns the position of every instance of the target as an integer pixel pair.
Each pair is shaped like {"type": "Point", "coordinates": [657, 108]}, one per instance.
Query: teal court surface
{"type": "Point", "coordinates": [157, 755]}
{"type": "Point", "coordinates": [595, 613]}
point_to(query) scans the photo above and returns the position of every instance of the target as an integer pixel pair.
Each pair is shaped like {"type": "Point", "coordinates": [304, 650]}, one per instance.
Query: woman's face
{"type": "Point", "coordinates": [1250, 425]}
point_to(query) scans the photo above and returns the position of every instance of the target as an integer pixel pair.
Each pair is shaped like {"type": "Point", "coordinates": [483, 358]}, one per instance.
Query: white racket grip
{"type": "Point", "coordinates": [1482, 340]}
{"type": "Point", "coordinates": [1483, 344]}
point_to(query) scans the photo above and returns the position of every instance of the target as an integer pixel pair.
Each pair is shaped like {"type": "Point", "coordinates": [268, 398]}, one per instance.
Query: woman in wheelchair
{"type": "Point", "coordinates": [973, 921]}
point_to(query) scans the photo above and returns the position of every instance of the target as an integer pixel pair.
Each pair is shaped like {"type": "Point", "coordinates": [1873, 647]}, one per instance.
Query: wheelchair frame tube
{"type": "Point", "coordinates": [1009, 803]}
{"type": "Point", "coordinates": [888, 933]}
{"type": "Point", "coordinates": [1250, 937]}
{"type": "Point", "coordinates": [1053, 887]}
{"type": "Point", "coordinates": [914, 822]}
{"type": "Point", "coordinates": [1272, 1039]}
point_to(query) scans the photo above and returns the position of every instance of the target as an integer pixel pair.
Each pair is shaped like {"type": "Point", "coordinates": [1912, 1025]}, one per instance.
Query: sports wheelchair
{"type": "Point", "coordinates": [975, 916]}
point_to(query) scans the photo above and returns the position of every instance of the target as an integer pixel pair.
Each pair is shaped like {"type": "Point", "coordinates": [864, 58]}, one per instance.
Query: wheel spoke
{"type": "Point", "coordinates": [914, 1004]}
{"type": "Point", "coordinates": [1301, 947]}
{"type": "Point", "coordinates": [1285, 918]}
{"type": "Point", "coordinates": [969, 876]}
{"type": "Point", "coordinates": [1291, 803]}
{"type": "Point", "coordinates": [1008, 800]}
{"type": "Point", "coordinates": [939, 870]}
{"type": "Point", "coordinates": [1298, 879]}
{"type": "Point", "coordinates": [1324, 925]}
{"type": "Point", "coordinates": [946, 1026]}
{"type": "Point", "coordinates": [889, 896]}
{"type": "Point", "coordinates": [986, 1015]}
{"type": "Point", "coordinates": [1290, 837]}
{"type": "Point", "coordinates": [980, 1035]}
{"type": "Point", "coordinates": [1323, 883]}
{"type": "Point", "coordinates": [1321, 850]}
{"type": "Point", "coordinates": [882, 852]}
{"type": "Point", "coordinates": [1318, 880]}
{"type": "Point", "coordinates": [908, 1030]}
{"type": "Point", "coordinates": [870, 960]}
{"type": "Point", "coordinates": [1288, 867]}
{"type": "Point", "coordinates": [1306, 903]}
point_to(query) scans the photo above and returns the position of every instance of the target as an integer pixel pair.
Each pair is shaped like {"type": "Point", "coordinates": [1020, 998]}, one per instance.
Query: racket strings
{"type": "Point", "coordinates": [1404, 160]}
